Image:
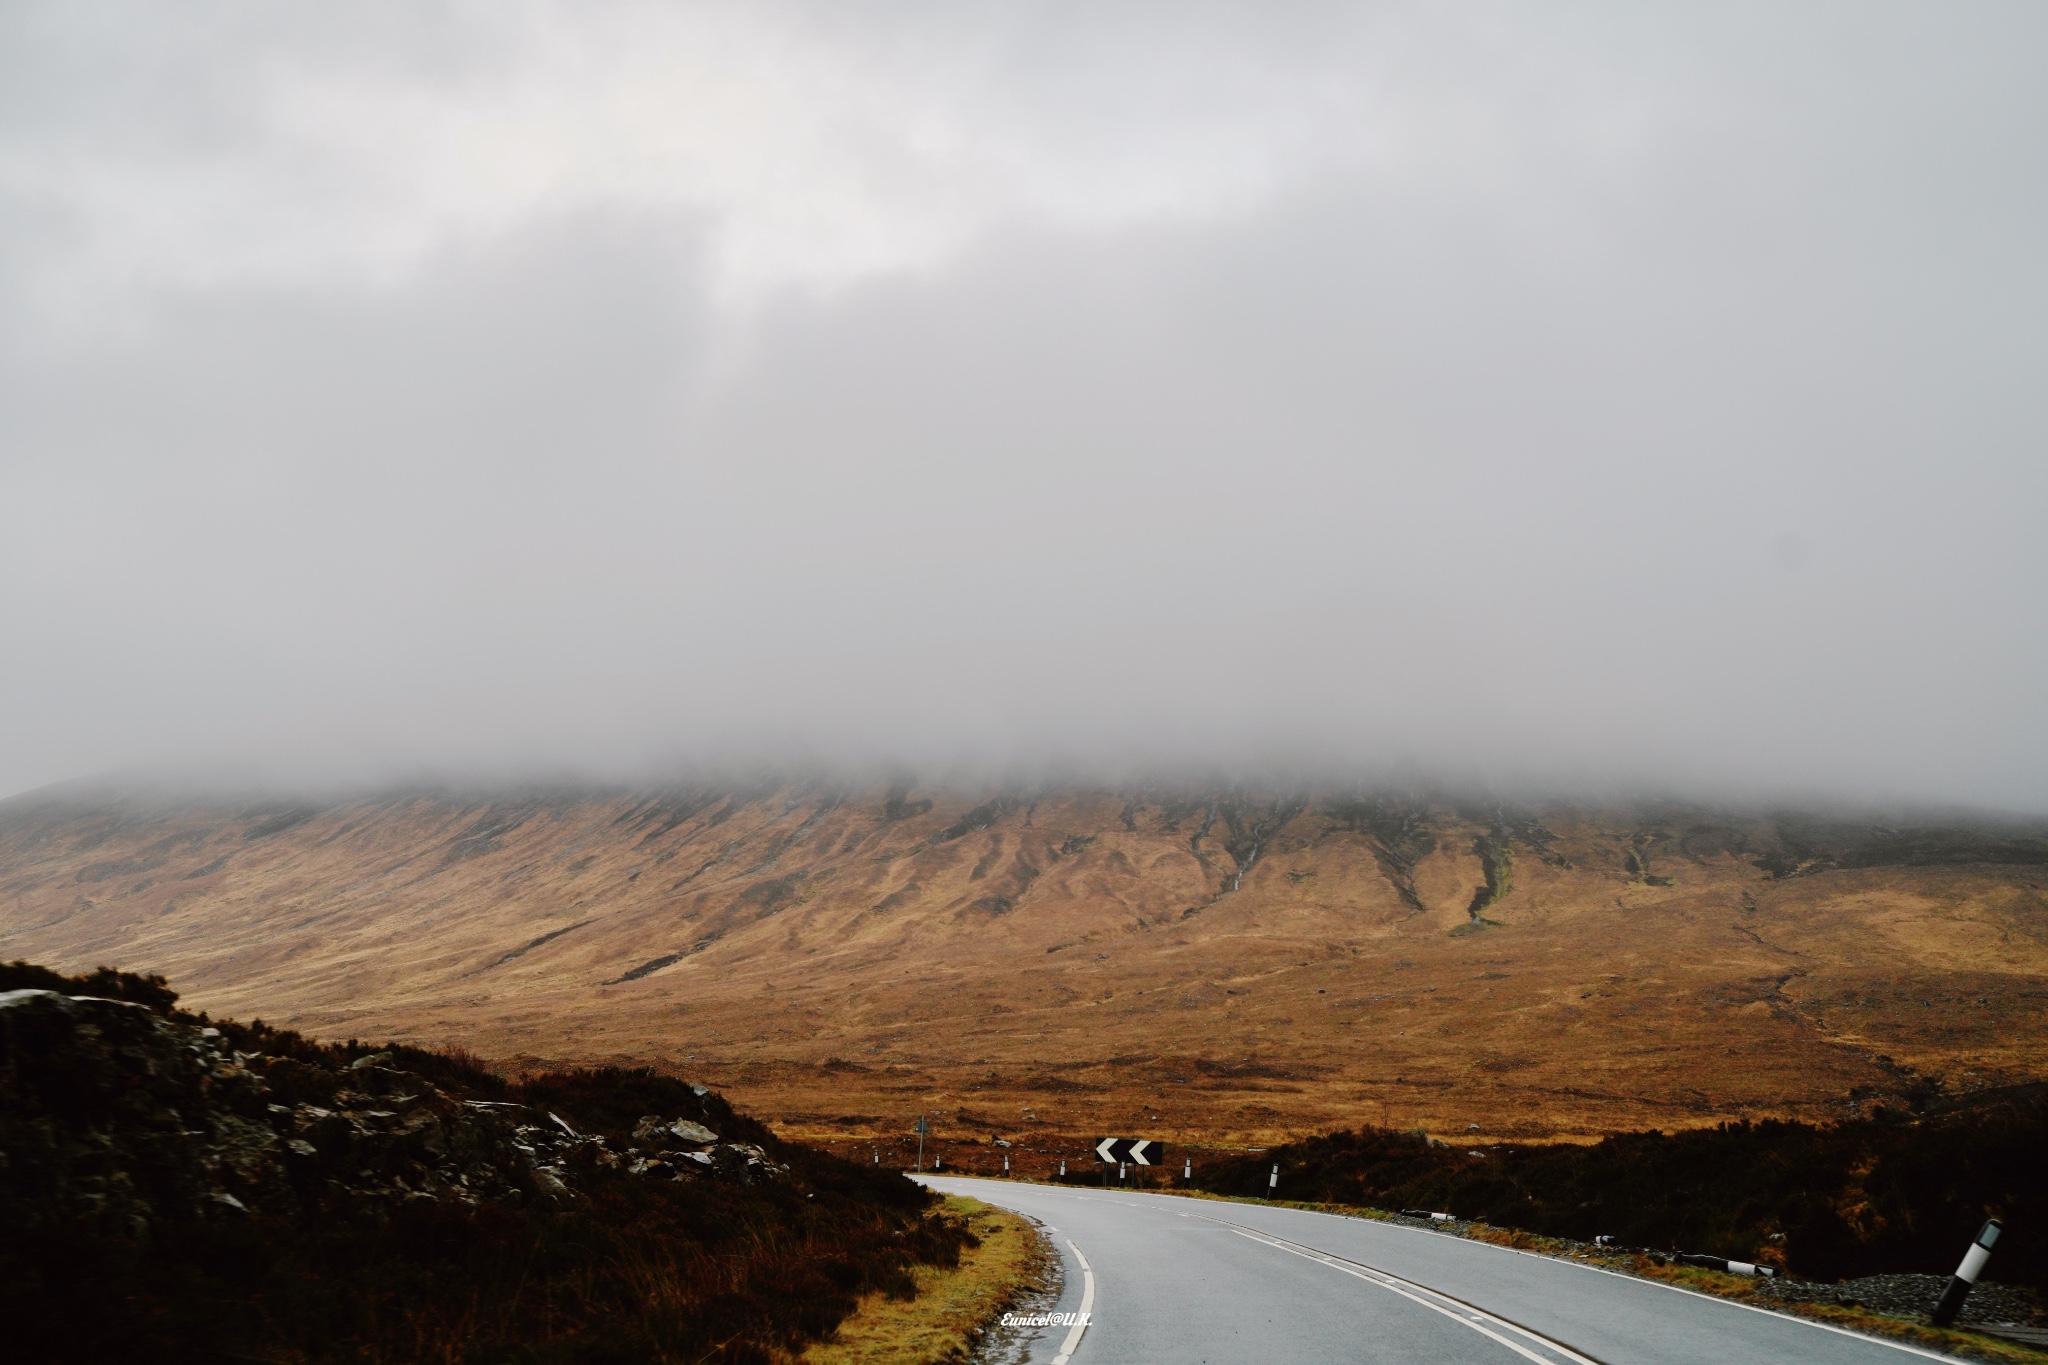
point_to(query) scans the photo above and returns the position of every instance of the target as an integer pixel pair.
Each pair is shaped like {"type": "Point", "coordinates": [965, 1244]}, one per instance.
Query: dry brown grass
{"type": "Point", "coordinates": [843, 961]}
{"type": "Point", "coordinates": [952, 1307]}
{"type": "Point", "coordinates": [1515, 1239]}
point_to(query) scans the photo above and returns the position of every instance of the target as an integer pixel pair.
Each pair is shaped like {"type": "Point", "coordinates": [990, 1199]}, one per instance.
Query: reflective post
{"type": "Point", "coordinates": [1967, 1273]}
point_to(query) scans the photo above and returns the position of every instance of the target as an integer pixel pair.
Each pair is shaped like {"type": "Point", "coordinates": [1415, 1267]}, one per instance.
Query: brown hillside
{"type": "Point", "coordinates": [1240, 964]}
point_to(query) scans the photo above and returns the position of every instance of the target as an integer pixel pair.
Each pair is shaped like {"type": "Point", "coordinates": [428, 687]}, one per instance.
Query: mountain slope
{"type": "Point", "coordinates": [1238, 962]}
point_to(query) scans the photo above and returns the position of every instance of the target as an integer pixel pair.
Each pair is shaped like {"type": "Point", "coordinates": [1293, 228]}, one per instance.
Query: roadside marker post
{"type": "Point", "coordinates": [1188, 1172]}
{"type": "Point", "coordinates": [1720, 1263]}
{"type": "Point", "coordinates": [1006, 1163]}
{"type": "Point", "coordinates": [1966, 1274]}
{"type": "Point", "coordinates": [1063, 1168]}
{"type": "Point", "coordinates": [1273, 1182]}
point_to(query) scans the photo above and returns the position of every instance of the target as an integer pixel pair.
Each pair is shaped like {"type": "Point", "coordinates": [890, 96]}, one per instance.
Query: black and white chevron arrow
{"type": "Point", "coordinates": [1137, 1151]}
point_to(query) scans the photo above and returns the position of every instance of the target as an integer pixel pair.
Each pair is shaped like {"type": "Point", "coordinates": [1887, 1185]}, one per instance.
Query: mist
{"type": "Point", "coordinates": [1523, 394]}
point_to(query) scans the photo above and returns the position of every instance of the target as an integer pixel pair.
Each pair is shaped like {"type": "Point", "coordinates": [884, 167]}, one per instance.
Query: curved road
{"type": "Point", "coordinates": [1210, 1283]}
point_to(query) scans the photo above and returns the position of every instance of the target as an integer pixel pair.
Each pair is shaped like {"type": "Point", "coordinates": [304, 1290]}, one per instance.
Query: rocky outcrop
{"type": "Point", "coordinates": [683, 1149]}
{"type": "Point", "coordinates": [115, 1119]}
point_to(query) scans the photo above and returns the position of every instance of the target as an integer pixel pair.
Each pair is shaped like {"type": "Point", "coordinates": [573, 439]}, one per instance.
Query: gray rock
{"type": "Point", "coordinates": [654, 1128]}
{"type": "Point", "coordinates": [116, 1119]}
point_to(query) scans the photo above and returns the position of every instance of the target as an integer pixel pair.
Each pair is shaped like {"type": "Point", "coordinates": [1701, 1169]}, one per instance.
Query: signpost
{"type": "Point", "coordinates": [1137, 1151]}
{"type": "Point", "coordinates": [1119, 1152]}
{"type": "Point", "coordinates": [923, 1126]}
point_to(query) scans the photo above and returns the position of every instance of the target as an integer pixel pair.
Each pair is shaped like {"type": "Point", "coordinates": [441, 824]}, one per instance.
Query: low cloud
{"type": "Point", "coordinates": [1538, 399]}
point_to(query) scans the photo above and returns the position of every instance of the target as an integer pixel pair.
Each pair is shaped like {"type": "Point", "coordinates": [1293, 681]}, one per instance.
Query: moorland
{"type": "Point", "coordinates": [1214, 964]}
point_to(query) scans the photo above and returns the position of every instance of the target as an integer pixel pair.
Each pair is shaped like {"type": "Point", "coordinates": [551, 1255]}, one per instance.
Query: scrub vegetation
{"type": "Point", "coordinates": [159, 1209]}
{"type": "Point", "coordinates": [1888, 1194]}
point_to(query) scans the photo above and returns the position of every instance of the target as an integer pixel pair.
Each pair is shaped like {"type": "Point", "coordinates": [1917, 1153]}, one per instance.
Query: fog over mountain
{"type": "Point", "coordinates": [1525, 394]}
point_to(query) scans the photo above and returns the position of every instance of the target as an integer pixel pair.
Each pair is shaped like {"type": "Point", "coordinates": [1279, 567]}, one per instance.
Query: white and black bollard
{"type": "Point", "coordinates": [1187, 1172]}
{"type": "Point", "coordinates": [1966, 1274]}
{"type": "Point", "coordinates": [1063, 1168]}
{"type": "Point", "coordinates": [1120, 1170]}
{"type": "Point", "coordinates": [1273, 1182]}
{"type": "Point", "coordinates": [1725, 1266]}
{"type": "Point", "coordinates": [1006, 1163]}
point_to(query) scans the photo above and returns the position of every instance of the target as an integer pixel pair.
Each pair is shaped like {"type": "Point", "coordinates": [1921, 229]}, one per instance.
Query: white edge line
{"type": "Point", "coordinates": [1087, 1306]}
{"type": "Point", "coordinates": [1896, 1345]}
{"type": "Point", "coordinates": [1892, 1342]}
{"type": "Point", "coordinates": [1388, 1223]}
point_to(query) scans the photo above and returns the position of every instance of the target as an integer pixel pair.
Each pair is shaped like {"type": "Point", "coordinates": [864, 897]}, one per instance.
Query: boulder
{"type": "Point", "coordinates": [654, 1128]}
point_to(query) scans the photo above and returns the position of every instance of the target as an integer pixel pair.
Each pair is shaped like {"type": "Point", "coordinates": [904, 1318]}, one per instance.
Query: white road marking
{"type": "Point", "coordinates": [1087, 1306]}
{"type": "Point", "coordinates": [1483, 1325]}
{"type": "Point", "coordinates": [1893, 1343]}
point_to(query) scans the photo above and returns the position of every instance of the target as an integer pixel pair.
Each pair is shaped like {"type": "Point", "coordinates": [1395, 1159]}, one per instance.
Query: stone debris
{"type": "Point", "coordinates": [1913, 1297]}
{"type": "Point", "coordinates": [655, 1128]}
{"type": "Point", "coordinates": [1909, 1296]}
{"type": "Point", "coordinates": [682, 1149]}
{"type": "Point", "coordinates": [116, 1118]}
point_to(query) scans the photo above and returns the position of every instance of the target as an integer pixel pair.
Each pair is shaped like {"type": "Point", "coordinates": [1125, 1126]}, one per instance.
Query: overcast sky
{"type": "Point", "coordinates": [1623, 393]}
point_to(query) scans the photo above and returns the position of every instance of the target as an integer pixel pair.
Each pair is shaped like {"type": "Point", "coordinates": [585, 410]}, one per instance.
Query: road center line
{"type": "Point", "coordinates": [1773, 1314]}
{"type": "Point", "coordinates": [1475, 1323]}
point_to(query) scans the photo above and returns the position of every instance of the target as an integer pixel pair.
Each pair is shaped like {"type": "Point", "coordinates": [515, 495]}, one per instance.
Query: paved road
{"type": "Point", "coordinates": [1211, 1283]}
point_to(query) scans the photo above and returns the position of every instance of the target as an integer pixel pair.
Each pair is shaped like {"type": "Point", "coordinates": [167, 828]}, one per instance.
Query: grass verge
{"type": "Point", "coordinates": [952, 1307]}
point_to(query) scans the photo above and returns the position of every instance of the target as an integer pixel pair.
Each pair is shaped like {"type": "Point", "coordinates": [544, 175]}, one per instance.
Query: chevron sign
{"type": "Point", "coordinates": [1137, 1151]}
